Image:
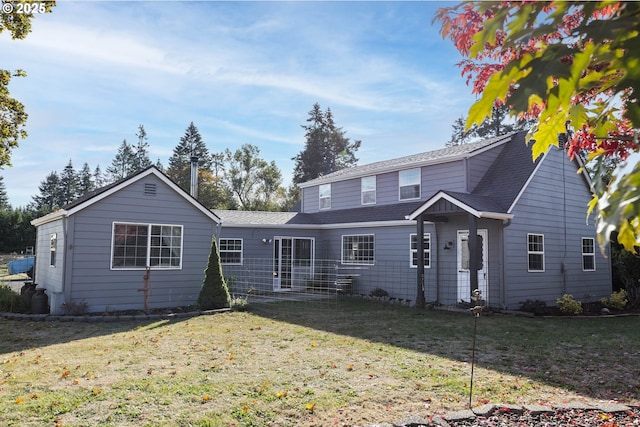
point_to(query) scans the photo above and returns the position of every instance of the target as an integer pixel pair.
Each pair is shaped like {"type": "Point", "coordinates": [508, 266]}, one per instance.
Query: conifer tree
{"type": "Point", "coordinates": [326, 150]}
{"type": "Point", "coordinates": [214, 292]}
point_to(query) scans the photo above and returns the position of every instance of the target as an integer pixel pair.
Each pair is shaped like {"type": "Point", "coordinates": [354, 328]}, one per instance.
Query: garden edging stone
{"type": "Point", "coordinates": [488, 409]}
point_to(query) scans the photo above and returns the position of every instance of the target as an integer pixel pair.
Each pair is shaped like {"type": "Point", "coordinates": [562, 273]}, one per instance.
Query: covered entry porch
{"type": "Point", "coordinates": [468, 248]}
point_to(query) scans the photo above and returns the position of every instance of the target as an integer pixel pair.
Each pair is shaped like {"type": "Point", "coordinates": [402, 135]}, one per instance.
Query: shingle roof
{"type": "Point", "coordinates": [436, 156]}
{"type": "Point", "coordinates": [395, 212]}
{"type": "Point", "coordinates": [509, 173]}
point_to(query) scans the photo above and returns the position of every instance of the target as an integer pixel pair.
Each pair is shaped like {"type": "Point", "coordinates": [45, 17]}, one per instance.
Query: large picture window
{"type": "Point", "coordinates": [358, 249]}
{"type": "Point", "coordinates": [368, 190]}
{"type": "Point", "coordinates": [325, 196]}
{"type": "Point", "coordinates": [588, 254]}
{"type": "Point", "coordinates": [535, 251]}
{"type": "Point", "coordinates": [409, 181]}
{"type": "Point", "coordinates": [230, 251]}
{"type": "Point", "coordinates": [137, 246]}
{"type": "Point", "coordinates": [413, 249]}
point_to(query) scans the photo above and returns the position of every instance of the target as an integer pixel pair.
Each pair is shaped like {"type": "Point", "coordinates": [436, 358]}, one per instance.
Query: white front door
{"type": "Point", "coordinates": [464, 282]}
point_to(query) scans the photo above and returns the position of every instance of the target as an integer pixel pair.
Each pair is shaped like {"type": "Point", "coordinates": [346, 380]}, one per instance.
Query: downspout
{"type": "Point", "coordinates": [503, 290]}
{"type": "Point", "coordinates": [67, 247]}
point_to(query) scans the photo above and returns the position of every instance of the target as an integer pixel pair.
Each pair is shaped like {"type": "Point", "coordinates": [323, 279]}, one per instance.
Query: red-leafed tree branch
{"type": "Point", "coordinates": [575, 68]}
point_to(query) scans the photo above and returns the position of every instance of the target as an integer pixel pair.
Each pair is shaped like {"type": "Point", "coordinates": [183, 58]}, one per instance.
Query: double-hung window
{"type": "Point", "coordinates": [230, 251]}
{"type": "Point", "coordinates": [588, 254]}
{"type": "Point", "coordinates": [325, 196]}
{"type": "Point", "coordinates": [137, 246]}
{"type": "Point", "coordinates": [413, 250]}
{"type": "Point", "coordinates": [409, 182]}
{"type": "Point", "coordinates": [368, 190]}
{"type": "Point", "coordinates": [535, 252]}
{"type": "Point", "coordinates": [358, 249]}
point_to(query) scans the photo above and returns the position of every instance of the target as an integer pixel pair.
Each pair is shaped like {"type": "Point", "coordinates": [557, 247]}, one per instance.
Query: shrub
{"type": "Point", "coordinates": [73, 308]}
{"type": "Point", "coordinates": [239, 303]}
{"type": "Point", "coordinates": [379, 292]}
{"type": "Point", "coordinates": [617, 301]}
{"type": "Point", "coordinates": [11, 301]}
{"type": "Point", "coordinates": [568, 305]}
{"type": "Point", "coordinates": [214, 292]}
{"type": "Point", "coordinates": [534, 306]}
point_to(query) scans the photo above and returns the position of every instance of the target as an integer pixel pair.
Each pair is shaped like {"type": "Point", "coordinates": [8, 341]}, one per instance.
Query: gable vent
{"type": "Point", "coordinates": [149, 189]}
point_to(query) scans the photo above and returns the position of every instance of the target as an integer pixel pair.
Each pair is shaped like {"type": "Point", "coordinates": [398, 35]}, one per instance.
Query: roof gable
{"type": "Point", "coordinates": [93, 197]}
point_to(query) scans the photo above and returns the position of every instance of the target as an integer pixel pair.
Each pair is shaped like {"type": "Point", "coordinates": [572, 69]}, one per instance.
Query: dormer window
{"type": "Point", "coordinates": [409, 182]}
{"type": "Point", "coordinates": [325, 196]}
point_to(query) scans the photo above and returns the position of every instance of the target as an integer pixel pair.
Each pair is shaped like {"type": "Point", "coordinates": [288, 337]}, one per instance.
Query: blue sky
{"type": "Point", "coordinates": [243, 72]}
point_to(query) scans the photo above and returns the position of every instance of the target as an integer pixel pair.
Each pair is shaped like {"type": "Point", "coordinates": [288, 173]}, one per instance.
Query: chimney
{"type": "Point", "coordinates": [194, 177]}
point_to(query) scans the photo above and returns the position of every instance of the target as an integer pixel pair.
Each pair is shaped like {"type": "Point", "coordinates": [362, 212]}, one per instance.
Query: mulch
{"type": "Point", "coordinates": [513, 416]}
{"type": "Point", "coordinates": [557, 418]}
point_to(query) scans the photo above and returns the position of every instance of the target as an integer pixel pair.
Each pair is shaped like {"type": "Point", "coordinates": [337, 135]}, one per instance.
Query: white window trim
{"type": "Point", "coordinates": [363, 191]}
{"type": "Point", "coordinates": [590, 254]}
{"type": "Point", "coordinates": [342, 260]}
{"type": "Point", "coordinates": [536, 253]}
{"type": "Point", "coordinates": [53, 249]}
{"type": "Point", "coordinates": [149, 225]}
{"type": "Point", "coordinates": [241, 251]}
{"type": "Point", "coordinates": [412, 184]}
{"type": "Point", "coordinates": [321, 197]}
{"type": "Point", "coordinates": [415, 251]}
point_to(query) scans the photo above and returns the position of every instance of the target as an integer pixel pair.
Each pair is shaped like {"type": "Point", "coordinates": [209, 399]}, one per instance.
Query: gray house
{"type": "Point", "coordinates": [483, 207]}
{"type": "Point", "coordinates": [96, 250]}
{"type": "Point", "coordinates": [490, 219]}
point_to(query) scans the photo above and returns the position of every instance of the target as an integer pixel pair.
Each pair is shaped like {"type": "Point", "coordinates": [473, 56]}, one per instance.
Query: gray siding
{"type": "Point", "coordinates": [47, 276]}
{"type": "Point", "coordinates": [554, 204]}
{"type": "Point", "coordinates": [92, 279]}
{"type": "Point", "coordinates": [391, 270]}
{"type": "Point", "coordinates": [346, 194]}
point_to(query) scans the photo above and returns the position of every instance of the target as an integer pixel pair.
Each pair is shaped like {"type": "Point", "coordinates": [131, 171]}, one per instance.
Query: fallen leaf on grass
{"type": "Point", "coordinates": [310, 407]}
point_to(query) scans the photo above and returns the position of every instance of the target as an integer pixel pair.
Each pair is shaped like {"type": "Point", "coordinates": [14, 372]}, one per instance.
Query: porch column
{"type": "Point", "coordinates": [420, 301]}
{"type": "Point", "coordinates": [473, 252]}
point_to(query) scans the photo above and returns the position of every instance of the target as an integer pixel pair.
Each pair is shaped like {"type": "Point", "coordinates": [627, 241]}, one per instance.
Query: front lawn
{"type": "Point", "coordinates": [351, 362]}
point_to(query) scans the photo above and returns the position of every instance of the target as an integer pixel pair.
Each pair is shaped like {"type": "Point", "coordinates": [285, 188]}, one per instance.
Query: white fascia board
{"type": "Point", "coordinates": [138, 177]}
{"type": "Point", "coordinates": [61, 213]}
{"type": "Point", "coordinates": [442, 195]}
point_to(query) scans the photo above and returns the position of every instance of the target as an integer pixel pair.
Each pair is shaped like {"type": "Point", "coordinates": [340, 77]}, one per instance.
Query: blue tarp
{"type": "Point", "coordinates": [21, 265]}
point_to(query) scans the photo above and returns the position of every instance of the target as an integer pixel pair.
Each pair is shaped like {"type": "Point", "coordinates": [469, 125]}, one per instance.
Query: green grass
{"type": "Point", "coordinates": [354, 362]}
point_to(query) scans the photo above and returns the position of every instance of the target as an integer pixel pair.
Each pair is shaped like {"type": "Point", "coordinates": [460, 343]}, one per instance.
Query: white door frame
{"type": "Point", "coordinates": [464, 282]}
{"type": "Point", "coordinates": [288, 268]}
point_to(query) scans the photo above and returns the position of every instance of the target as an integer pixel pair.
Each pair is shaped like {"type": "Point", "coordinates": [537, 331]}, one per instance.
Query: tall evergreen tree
{"type": "Point", "coordinates": [49, 197]}
{"type": "Point", "coordinates": [85, 180]}
{"type": "Point", "coordinates": [141, 151]}
{"type": "Point", "coordinates": [4, 198]}
{"type": "Point", "coordinates": [98, 177]}
{"type": "Point", "coordinates": [191, 144]}
{"type": "Point", "coordinates": [327, 149]}
{"type": "Point", "coordinates": [123, 163]}
{"type": "Point", "coordinates": [68, 185]}
{"type": "Point", "coordinates": [459, 135]}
